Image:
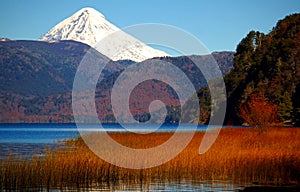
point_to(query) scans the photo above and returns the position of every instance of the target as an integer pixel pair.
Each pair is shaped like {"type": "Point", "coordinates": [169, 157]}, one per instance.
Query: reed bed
{"type": "Point", "coordinates": [239, 155]}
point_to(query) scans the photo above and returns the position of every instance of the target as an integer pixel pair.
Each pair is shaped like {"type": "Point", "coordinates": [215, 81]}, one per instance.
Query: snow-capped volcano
{"type": "Point", "coordinates": [91, 27]}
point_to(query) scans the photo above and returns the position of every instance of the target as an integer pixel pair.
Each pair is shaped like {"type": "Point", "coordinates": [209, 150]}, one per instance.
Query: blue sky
{"type": "Point", "coordinates": [219, 24]}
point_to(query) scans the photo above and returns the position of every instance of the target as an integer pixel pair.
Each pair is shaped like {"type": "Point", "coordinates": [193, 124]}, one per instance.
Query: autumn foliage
{"type": "Point", "coordinates": [258, 112]}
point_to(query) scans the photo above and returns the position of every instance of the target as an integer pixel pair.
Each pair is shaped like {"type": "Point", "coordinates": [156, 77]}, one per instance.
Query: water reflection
{"type": "Point", "coordinates": [26, 149]}
{"type": "Point", "coordinates": [182, 185]}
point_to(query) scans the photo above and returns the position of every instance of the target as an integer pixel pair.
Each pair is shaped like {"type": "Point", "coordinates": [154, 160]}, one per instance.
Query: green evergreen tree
{"type": "Point", "coordinates": [268, 65]}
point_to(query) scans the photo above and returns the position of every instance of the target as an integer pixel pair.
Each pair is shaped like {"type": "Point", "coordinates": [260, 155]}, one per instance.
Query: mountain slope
{"type": "Point", "coordinates": [37, 78]}
{"type": "Point", "coordinates": [90, 26]}
{"type": "Point", "coordinates": [35, 68]}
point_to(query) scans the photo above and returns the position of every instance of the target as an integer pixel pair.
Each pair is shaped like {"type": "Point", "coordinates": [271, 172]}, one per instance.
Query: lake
{"type": "Point", "coordinates": [32, 139]}
{"type": "Point", "coordinates": [24, 139]}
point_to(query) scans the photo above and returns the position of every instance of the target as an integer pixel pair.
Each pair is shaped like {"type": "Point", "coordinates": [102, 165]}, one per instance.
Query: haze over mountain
{"type": "Point", "coordinates": [90, 27]}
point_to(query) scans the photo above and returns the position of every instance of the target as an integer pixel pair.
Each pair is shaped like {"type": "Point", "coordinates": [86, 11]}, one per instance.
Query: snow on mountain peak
{"type": "Point", "coordinates": [87, 26]}
{"type": "Point", "coordinates": [90, 26]}
{"type": "Point", "coordinates": [92, 11]}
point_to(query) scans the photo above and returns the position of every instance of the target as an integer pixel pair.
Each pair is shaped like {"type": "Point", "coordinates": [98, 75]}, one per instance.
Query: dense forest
{"type": "Point", "coordinates": [267, 66]}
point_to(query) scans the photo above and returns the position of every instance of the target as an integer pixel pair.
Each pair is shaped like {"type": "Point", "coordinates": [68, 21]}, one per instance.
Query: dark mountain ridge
{"type": "Point", "coordinates": [37, 79]}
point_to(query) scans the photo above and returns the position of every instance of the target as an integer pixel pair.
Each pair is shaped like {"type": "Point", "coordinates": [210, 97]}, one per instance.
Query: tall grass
{"type": "Point", "coordinates": [240, 155]}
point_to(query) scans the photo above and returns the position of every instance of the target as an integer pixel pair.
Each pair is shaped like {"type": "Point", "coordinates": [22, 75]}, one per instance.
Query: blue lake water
{"type": "Point", "coordinates": [49, 133]}
{"type": "Point", "coordinates": [25, 139]}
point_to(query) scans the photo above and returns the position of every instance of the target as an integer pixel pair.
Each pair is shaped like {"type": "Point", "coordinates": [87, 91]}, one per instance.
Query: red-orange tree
{"type": "Point", "coordinates": [258, 112]}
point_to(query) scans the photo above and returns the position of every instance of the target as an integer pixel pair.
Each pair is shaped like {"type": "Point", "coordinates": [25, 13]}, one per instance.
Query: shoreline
{"type": "Point", "coordinates": [287, 188]}
{"type": "Point", "coordinates": [239, 155]}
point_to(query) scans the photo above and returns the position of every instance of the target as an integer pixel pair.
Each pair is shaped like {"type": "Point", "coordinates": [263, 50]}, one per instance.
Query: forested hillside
{"type": "Point", "coordinates": [267, 66]}
{"type": "Point", "coordinates": [37, 78]}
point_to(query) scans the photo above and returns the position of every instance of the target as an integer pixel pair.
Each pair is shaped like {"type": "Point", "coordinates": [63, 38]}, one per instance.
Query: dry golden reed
{"type": "Point", "coordinates": [240, 155]}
